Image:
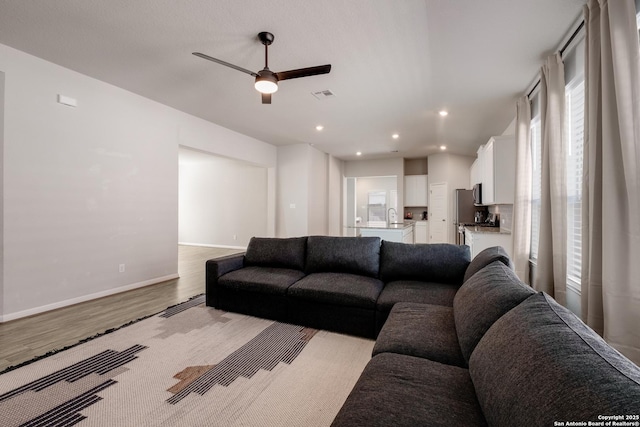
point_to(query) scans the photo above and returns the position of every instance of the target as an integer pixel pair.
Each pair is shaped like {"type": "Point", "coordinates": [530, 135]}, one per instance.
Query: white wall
{"type": "Point", "coordinates": [454, 170]}
{"type": "Point", "coordinates": [510, 130]}
{"type": "Point", "coordinates": [336, 175]}
{"type": "Point", "coordinates": [318, 192]}
{"type": "Point", "coordinates": [376, 167]}
{"type": "Point", "coordinates": [88, 188]}
{"type": "Point", "coordinates": [292, 210]}
{"type": "Point", "coordinates": [222, 202]}
{"type": "Point", "coordinates": [309, 185]}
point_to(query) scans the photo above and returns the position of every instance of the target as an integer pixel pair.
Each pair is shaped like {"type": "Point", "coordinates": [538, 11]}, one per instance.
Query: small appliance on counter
{"type": "Point", "coordinates": [493, 220]}
{"type": "Point", "coordinates": [424, 216]}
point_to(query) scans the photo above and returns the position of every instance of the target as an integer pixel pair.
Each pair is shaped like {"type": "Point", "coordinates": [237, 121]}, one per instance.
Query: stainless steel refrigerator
{"type": "Point", "coordinates": [464, 213]}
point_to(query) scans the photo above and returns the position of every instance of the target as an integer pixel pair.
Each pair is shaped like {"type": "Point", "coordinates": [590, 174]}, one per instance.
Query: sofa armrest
{"type": "Point", "coordinates": [486, 257]}
{"type": "Point", "coordinates": [215, 268]}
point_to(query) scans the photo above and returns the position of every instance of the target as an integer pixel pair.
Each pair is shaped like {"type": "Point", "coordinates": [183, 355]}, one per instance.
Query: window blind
{"type": "Point", "coordinates": [574, 128]}
{"type": "Point", "coordinates": [536, 184]}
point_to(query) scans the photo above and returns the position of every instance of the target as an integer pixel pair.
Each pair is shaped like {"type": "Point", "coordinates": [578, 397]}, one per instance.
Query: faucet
{"type": "Point", "coordinates": [395, 214]}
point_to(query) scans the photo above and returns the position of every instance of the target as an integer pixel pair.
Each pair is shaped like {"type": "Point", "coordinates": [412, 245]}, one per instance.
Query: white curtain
{"type": "Point", "coordinates": [521, 224]}
{"type": "Point", "coordinates": [611, 185]}
{"type": "Point", "coordinates": [551, 272]}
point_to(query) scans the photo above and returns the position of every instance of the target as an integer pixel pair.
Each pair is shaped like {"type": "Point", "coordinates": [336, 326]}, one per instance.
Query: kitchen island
{"type": "Point", "coordinates": [480, 238]}
{"type": "Point", "coordinates": [395, 232]}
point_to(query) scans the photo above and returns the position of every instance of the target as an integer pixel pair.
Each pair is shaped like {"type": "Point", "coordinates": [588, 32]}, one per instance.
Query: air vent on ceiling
{"type": "Point", "coordinates": [323, 94]}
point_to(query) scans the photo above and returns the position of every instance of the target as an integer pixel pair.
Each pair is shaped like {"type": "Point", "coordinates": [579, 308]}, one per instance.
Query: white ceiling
{"type": "Point", "coordinates": [395, 64]}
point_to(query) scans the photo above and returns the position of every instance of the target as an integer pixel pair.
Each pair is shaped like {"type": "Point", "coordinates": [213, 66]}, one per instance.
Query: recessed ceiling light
{"type": "Point", "coordinates": [443, 147]}
{"type": "Point", "coordinates": [443, 113]}
{"type": "Point", "coordinates": [359, 153]}
{"type": "Point", "coordinates": [395, 136]}
{"type": "Point", "coordinates": [319, 127]}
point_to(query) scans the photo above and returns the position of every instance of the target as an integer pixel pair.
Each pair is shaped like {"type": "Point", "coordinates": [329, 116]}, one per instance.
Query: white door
{"type": "Point", "coordinates": [439, 215]}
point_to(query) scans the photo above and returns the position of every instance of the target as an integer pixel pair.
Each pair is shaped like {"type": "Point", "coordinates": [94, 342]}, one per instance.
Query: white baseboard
{"type": "Point", "coordinates": [205, 245]}
{"type": "Point", "coordinates": [72, 301]}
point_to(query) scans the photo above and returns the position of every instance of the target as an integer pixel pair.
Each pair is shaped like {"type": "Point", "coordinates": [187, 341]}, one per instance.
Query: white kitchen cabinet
{"type": "Point", "coordinates": [474, 175]}
{"type": "Point", "coordinates": [488, 177]}
{"type": "Point", "coordinates": [416, 190]}
{"type": "Point", "coordinates": [408, 235]}
{"type": "Point", "coordinates": [481, 166]}
{"type": "Point", "coordinates": [497, 160]}
{"type": "Point", "coordinates": [479, 241]}
{"type": "Point", "coordinates": [421, 231]}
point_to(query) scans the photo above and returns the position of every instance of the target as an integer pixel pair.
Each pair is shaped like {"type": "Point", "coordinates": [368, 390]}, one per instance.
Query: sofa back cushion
{"type": "Point", "coordinates": [539, 363]}
{"type": "Point", "coordinates": [354, 255]}
{"type": "Point", "coordinates": [277, 253]}
{"type": "Point", "coordinates": [438, 262]}
{"type": "Point", "coordinates": [486, 257]}
{"type": "Point", "coordinates": [482, 300]}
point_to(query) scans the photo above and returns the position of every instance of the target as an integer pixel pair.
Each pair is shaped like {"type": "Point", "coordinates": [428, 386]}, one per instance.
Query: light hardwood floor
{"type": "Point", "coordinates": [29, 337]}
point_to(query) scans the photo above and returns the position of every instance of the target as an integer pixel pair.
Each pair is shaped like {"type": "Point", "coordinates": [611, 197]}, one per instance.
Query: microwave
{"type": "Point", "coordinates": [477, 194]}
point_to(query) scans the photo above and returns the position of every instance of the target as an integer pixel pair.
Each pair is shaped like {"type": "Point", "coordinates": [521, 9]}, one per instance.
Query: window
{"type": "Point", "coordinates": [574, 131]}
{"type": "Point", "coordinates": [536, 184]}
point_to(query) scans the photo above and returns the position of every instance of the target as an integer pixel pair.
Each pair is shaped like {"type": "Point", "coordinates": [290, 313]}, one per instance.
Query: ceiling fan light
{"type": "Point", "coordinates": [267, 83]}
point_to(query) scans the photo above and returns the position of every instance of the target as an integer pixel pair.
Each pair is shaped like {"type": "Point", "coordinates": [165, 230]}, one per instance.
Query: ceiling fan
{"type": "Point", "coordinates": [266, 80]}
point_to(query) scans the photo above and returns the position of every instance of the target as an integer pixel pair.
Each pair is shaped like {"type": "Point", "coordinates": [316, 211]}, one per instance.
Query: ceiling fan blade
{"type": "Point", "coordinates": [225, 63]}
{"type": "Point", "coordinates": [266, 98]}
{"type": "Point", "coordinates": [303, 72]}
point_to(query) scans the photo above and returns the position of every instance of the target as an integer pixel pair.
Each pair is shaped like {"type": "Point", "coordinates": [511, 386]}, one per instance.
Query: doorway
{"type": "Point", "coordinates": [369, 199]}
{"type": "Point", "coordinates": [221, 202]}
{"type": "Point", "coordinates": [438, 213]}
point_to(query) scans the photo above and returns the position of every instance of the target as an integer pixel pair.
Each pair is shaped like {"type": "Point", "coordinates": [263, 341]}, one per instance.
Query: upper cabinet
{"type": "Point", "coordinates": [497, 170]}
{"type": "Point", "coordinates": [416, 190]}
{"type": "Point", "coordinates": [474, 175]}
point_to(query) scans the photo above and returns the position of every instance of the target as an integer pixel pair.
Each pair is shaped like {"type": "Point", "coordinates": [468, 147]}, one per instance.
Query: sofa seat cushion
{"type": "Point", "coordinates": [483, 299]}
{"type": "Point", "coordinates": [435, 262]}
{"type": "Point", "coordinates": [338, 289]}
{"type": "Point", "coordinates": [486, 257]}
{"type": "Point", "coordinates": [415, 291]}
{"type": "Point", "coordinates": [421, 330]}
{"type": "Point", "coordinates": [412, 291]}
{"type": "Point", "coordinates": [353, 255]}
{"type": "Point", "coordinates": [266, 280]}
{"type": "Point", "coordinates": [542, 355]}
{"type": "Point", "coordinates": [399, 390]}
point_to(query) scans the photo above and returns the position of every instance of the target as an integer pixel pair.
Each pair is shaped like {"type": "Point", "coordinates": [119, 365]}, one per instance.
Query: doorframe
{"type": "Point", "coordinates": [447, 234]}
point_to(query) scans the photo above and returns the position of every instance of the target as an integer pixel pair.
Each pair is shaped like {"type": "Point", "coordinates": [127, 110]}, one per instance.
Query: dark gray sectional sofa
{"type": "Point", "coordinates": [502, 355]}
{"type": "Point", "coordinates": [458, 342]}
{"type": "Point", "coordinates": [343, 284]}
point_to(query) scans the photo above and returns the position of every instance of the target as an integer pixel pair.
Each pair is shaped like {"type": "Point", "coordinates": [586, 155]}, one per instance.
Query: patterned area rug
{"type": "Point", "coordinates": [191, 365]}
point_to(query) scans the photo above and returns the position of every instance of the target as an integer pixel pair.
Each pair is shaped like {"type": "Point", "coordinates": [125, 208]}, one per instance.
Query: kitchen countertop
{"type": "Point", "coordinates": [492, 230]}
{"type": "Point", "coordinates": [383, 225]}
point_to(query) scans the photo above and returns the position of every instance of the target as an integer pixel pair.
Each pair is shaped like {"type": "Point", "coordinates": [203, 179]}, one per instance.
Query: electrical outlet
{"type": "Point", "coordinates": [235, 237]}
{"type": "Point", "coordinates": [121, 268]}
